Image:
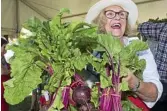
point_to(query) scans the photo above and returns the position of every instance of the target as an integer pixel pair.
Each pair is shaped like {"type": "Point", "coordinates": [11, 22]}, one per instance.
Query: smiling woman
{"type": "Point", "coordinates": [116, 20]}
{"type": "Point", "coordinates": [116, 17]}
{"type": "Point", "coordinates": [111, 13]}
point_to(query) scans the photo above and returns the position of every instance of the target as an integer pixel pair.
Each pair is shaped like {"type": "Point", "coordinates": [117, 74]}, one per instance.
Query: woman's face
{"type": "Point", "coordinates": [116, 22]}
{"type": "Point", "coordinates": [3, 50]}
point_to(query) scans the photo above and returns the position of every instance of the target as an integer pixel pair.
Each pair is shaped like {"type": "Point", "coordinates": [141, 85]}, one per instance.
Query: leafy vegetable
{"type": "Point", "coordinates": [22, 84]}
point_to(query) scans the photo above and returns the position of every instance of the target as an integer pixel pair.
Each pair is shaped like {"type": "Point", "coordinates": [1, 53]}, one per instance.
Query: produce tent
{"type": "Point", "coordinates": [15, 12]}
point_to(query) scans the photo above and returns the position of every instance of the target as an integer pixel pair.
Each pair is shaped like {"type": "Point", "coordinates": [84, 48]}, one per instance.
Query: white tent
{"type": "Point", "coordinates": [15, 12]}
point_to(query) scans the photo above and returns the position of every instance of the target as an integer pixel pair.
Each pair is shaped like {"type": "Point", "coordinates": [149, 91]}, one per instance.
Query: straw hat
{"type": "Point", "coordinates": [127, 5]}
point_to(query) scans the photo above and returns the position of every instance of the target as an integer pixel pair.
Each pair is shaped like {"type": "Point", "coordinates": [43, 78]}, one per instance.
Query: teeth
{"type": "Point", "coordinates": [117, 25]}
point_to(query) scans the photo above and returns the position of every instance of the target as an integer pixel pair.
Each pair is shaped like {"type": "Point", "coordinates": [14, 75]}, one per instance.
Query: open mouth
{"type": "Point", "coordinates": [116, 26]}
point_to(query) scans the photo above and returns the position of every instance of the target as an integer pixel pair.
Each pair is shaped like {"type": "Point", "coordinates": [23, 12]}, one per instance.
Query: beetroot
{"type": "Point", "coordinates": [81, 95]}
{"type": "Point", "coordinates": [87, 107]}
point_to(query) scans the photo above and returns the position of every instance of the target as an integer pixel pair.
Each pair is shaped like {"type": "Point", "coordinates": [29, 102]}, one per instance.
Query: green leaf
{"type": "Point", "coordinates": [128, 106]}
{"type": "Point", "coordinates": [112, 44]}
{"type": "Point", "coordinates": [123, 86]}
{"type": "Point", "coordinates": [9, 83]}
{"type": "Point", "coordinates": [84, 43]}
{"type": "Point", "coordinates": [64, 10]}
{"type": "Point", "coordinates": [58, 69]}
{"type": "Point", "coordinates": [76, 52]}
{"type": "Point", "coordinates": [54, 81]}
{"type": "Point", "coordinates": [72, 108]}
{"type": "Point", "coordinates": [41, 64]}
{"type": "Point", "coordinates": [97, 66]}
{"type": "Point", "coordinates": [58, 101]}
{"type": "Point", "coordinates": [55, 23]}
{"type": "Point", "coordinates": [80, 62]}
{"type": "Point", "coordinates": [67, 79]}
{"type": "Point", "coordinates": [66, 82]}
{"type": "Point", "coordinates": [33, 24]}
{"type": "Point", "coordinates": [105, 81]}
{"type": "Point", "coordinates": [88, 31]}
{"type": "Point", "coordinates": [124, 70]}
{"type": "Point", "coordinates": [94, 96]}
{"type": "Point", "coordinates": [79, 26]}
{"type": "Point", "coordinates": [23, 84]}
{"type": "Point", "coordinates": [137, 45]}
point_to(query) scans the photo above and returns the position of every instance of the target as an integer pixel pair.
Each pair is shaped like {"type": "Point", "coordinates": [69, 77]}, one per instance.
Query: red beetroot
{"type": "Point", "coordinates": [87, 107]}
{"type": "Point", "coordinates": [81, 95]}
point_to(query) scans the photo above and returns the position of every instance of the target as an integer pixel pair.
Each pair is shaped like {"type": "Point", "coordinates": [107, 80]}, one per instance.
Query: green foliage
{"type": "Point", "coordinates": [129, 60]}
{"type": "Point", "coordinates": [112, 44]}
{"type": "Point", "coordinates": [26, 76]}
{"type": "Point", "coordinates": [53, 43]}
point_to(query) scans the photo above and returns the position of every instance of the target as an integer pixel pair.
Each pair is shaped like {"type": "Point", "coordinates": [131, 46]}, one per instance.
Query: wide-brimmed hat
{"type": "Point", "coordinates": [127, 5]}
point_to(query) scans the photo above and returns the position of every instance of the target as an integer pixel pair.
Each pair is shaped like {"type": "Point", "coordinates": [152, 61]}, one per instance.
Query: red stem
{"type": "Point", "coordinates": [54, 95]}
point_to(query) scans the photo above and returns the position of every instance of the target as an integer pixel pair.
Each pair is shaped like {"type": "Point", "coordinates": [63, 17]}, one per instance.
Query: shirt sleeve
{"type": "Point", "coordinates": [150, 73]}
{"type": "Point", "coordinates": [151, 30]}
{"type": "Point", "coordinates": [46, 95]}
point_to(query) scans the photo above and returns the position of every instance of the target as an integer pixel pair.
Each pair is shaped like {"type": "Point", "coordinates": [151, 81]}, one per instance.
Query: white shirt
{"type": "Point", "coordinates": [150, 73]}
{"type": "Point", "coordinates": [8, 55]}
{"type": "Point", "coordinates": [46, 95]}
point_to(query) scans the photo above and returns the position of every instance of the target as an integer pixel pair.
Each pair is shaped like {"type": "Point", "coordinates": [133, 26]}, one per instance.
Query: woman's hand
{"type": "Point", "coordinates": [147, 91]}
{"type": "Point", "coordinates": [132, 80]}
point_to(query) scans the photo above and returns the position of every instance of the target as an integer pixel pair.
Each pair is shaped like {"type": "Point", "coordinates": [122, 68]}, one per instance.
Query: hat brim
{"type": "Point", "coordinates": [127, 5]}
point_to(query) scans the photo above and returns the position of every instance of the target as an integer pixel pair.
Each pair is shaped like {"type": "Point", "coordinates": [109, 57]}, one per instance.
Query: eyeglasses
{"type": "Point", "coordinates": [111, 14]}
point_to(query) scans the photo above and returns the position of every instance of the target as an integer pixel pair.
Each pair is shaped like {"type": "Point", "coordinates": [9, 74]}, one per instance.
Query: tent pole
{"type": "Point", "coordinates": [74, 15]}
{"type": "Point", "coordinates": [17, 17]}
{"type": "Point", "coordinates": [8, 29]}
{"type": "Point", "coordinates": [35, 9]}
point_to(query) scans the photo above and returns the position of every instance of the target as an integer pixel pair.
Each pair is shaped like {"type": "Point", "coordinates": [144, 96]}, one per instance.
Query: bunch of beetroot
{"type": "Point", "coordinates": [81, 96]}
{"type": "Point", "coordinates": [109, 98]}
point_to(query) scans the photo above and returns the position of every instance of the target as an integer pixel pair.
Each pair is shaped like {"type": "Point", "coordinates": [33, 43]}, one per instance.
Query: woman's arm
{"type": "Point", "coordinates": [150, 88]}
{"type": "Point", "coordinates": [147, 91]}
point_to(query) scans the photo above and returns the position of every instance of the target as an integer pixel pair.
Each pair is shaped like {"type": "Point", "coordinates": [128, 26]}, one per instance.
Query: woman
{"type": "Point", "coordinates": [5, 71]}
{"type": "Point", "coordinates": [118, 17]}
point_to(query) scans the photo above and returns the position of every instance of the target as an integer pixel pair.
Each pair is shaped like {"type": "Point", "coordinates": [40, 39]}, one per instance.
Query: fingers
{"type": "Point", "coordinates": [127, 77]}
